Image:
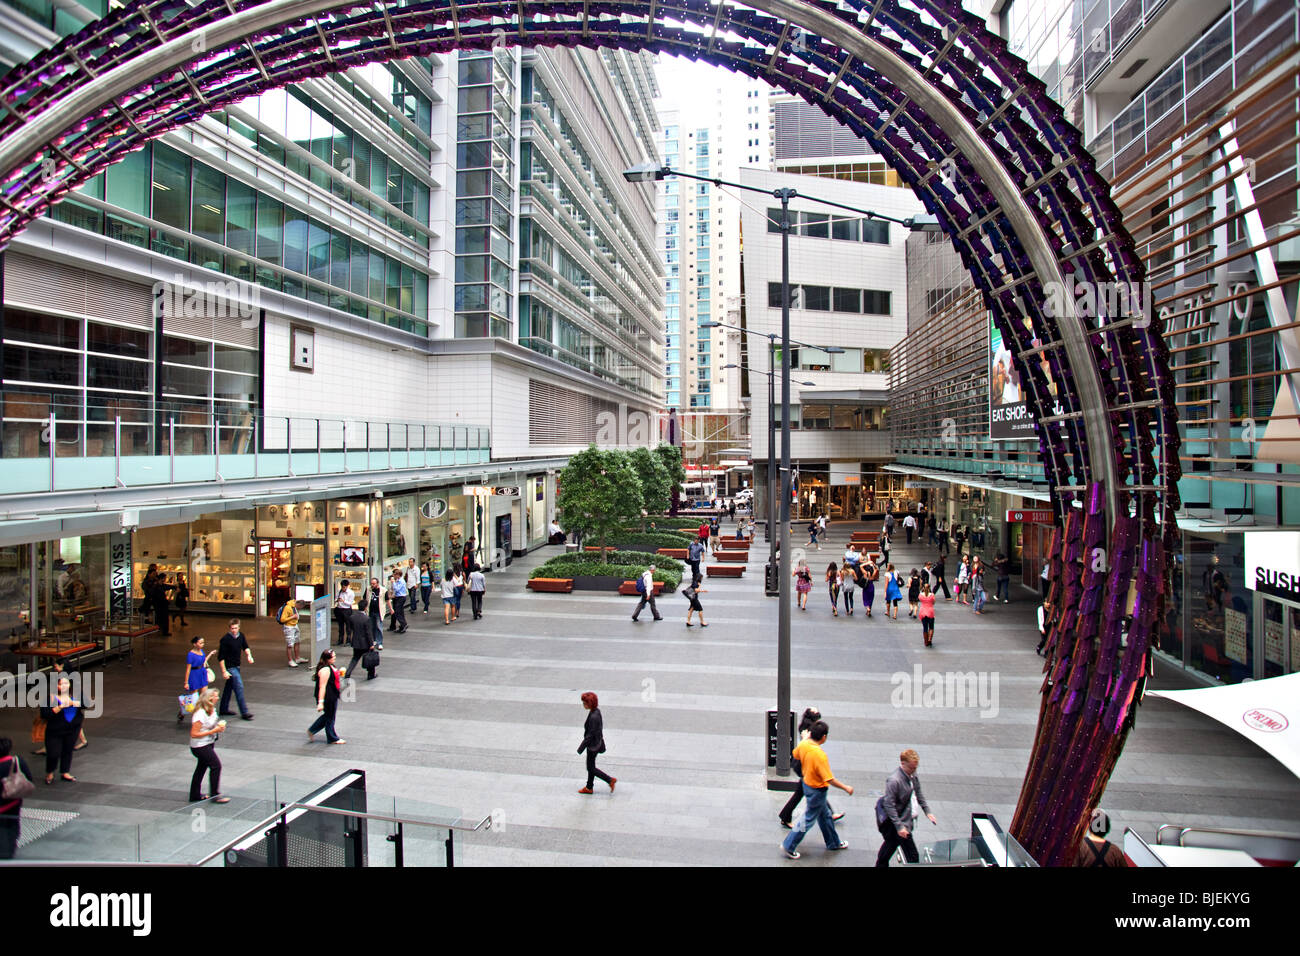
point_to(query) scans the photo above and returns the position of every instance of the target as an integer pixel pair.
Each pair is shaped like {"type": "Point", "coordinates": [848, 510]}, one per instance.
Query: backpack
{"type": "Point", "coordinates": [640, 585]}
{"type": "Point", "coordinates": [286, 613]}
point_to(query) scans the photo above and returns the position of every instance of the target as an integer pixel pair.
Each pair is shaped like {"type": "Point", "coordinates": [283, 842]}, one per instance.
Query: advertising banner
{"type": "Point", "coordinates": [1009, 415]}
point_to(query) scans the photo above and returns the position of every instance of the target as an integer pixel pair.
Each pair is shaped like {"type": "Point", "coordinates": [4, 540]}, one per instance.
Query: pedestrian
{"type": "Point", "coordinates": [468, 560]}
{"type": "Point", "coordinates": [58, 667]}
{"type": "Point", "coordinates": [647, 592]}
{"type": "Point", "coordinates": [378, 611]}
{"type": "Point", "coordinates": [426, 584]}
{"type": "Point", "coordinates": [288, 618]}
{"type": "Point", "coordinates": [731, 509]}
{"type": "Point", "coordinates": [893, 593]}
{"type": "Point", "coordinates": [822, 524]}
{"type": "Point", "coordinates": [694, 554]}
{"type": "Point", "coordinates": [715, 534]}
{"type": "Point", "coordinates": [692, 592]}
{"type": "Point", "coordinates": [161, 613]}
{"type": "Point", "coordinates": [943, 536]}
{"type": "Point", "coordinates": [11, 803]}
{"type": "Point", "coordinates": [477, 585]}
{"type": "Point", "coordinates": [889, 522]}
{"type": "Point", "coordinates": [894, 817]}
{"type": "Point", "coordinates": [556, 532]}
{"type": "Point", "coordinates": [1096, 850]}
{"type": "Point", "coordinates": [398, 593]}
{"type": "Point", "coordinates": [963, 577]}
{"type": "Point", "coordinates": [181, 600]}
{"type": "Point", "coordinates": [593, 739]}
{"type": "Point", "coordinates": [205, 728]}
{"type": "Point", "coordinates": [867, 581]}
{"type": "Point", "coordinates": [884, 546]}
{"type": "Point", "coordinates": [812, 534]}
{"type": "Point", "coordinates": [704, 533]}
{"type": "Point", "coordinates": [851, 555]}
{"type": "Point", "coordinates": [1044, 577]}
{"type": "Point", "coordinates": [926, 602]}
{"type": "Point", "coordinates": [816, 781]}
{"type": "Point", "coordinates": [848, 585]}
{"type": "Point", "coordinates": [940, 582]}
{"type": "Point", "coordinates": [1044, 625]}
{"type": "Point", "coordinates": [232, 648]}
{"type": "Point", "coordinates": [810, 716]}
{"type": "Point", "coordinates": [959, 532]}
{"type": "Point", "coordinates": [146, 588]}
{"type": "Point", "coordinates": [909, 525]}
{"type": "Point", "coordinates": [833, 587]}
{"type": "Point", "coordinates": [196, 672]}
{"type": "Point", "coordinates": [930, 524]}
{"type": "Point", "coordinates": [413, 584]}
{"type": "Point", "coordinates": [913, 592]}
{"type": "Point", "coordinates": [803, 584]}
{"type": "Point", "coordinates": [977, 584]}
{"type": "Point", "coordinates": [448, 595]}
{"type": "Point", "coordinates": [329, 682]}
{"type": "Point", "coordinates": [344, 601]}
{"type": "Point", "coordinates": [63, 719]}
{"type": "Point", "coordinates": [1002, 568]}
{"type": "Point", "coordinates": [458, 592]}
{"type": "Point", "coordinates": [363, 642]}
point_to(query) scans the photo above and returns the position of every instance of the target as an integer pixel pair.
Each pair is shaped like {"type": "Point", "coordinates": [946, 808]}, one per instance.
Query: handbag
{"type": "Point", "coordinates": [38, 730]}
{"type": "Point", "coordinates": [16, 784]}
{"type": "Point", "coordinates": [602, 746]}
{"type": "Point", "coordinates": [189, 702]}
{"type": "Point", "coordinates": [212, 676]}
{"type": "Point", "coordinates": [370, 659]}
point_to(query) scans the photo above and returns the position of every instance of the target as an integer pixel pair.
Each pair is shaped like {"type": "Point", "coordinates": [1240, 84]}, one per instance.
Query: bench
{"type": "Point", "coordinates": [733, 557]}
{"type": "Point", "coordinates": [681, 554]}
{"type": "Point", "coordinates": [628, 589]}
{"type": "Point", "coordinates": [551, 585]}
{"type": "Point", "coordinates": [726, 570]}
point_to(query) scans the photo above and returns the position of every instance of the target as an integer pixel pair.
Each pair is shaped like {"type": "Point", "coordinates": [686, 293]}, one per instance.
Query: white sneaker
{"type": "Point", "coordinates": [293, 663]}
{"type": "Point", "coordinates": [792, 854]}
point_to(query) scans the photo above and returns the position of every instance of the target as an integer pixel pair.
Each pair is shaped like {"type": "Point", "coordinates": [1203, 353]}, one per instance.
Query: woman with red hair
{"type": "Point", "coordinates": [593, 742]}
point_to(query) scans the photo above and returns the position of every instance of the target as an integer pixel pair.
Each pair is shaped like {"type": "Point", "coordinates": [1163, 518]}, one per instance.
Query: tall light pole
{"type": "Point", "coordinates": [648, 172]}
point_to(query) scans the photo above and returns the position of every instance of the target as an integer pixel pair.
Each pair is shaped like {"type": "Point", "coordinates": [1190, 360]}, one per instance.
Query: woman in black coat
{"type": "Point", "coordinates": [62, 725]}
{"type": "Point", "coordinates": [593, 742]}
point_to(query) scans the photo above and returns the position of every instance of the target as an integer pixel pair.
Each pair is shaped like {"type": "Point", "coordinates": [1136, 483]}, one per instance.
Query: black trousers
{"type": "Point", "coordinates": [209, 763]}
{"type": "Point", "coordinates": [356, 659]}
{"type": "Point", "coordinates": [345, 629]}
{"type": "Point", "coordinates": [909, 535]}
{"type": "Point", "coordinates": [941, 583]}
{"type": "Point", "coordinates": [9, 831]}
{"type": "Point", "coordinates": [592, 770]}
{"type": "Point", "coordinates": [647, 598]}
{"type": "Point", "coordinates": [58, 749]}
{"type": "Point", "coordinates": [476, 602]}
{"type": "Point", "coordinates": [892, 842]}
{"type": "Point", "coordinates": [399, 615]}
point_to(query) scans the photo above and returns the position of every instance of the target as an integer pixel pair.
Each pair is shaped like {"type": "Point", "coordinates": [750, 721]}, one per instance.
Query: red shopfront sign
{"type": "Point", "coordinates": [1031, 515]}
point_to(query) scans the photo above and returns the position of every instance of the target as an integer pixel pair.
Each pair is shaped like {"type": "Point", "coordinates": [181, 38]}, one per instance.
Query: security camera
{"type": "Point", "coordinates": [379, 494]}
{"type": "Point", "coordinates": [128, 521]}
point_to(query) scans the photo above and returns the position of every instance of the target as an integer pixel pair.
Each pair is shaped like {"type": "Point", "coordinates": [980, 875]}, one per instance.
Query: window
{"type": "Point", "coordinates": [874, 230]}
{"type": "Point", "coordinates": [848, 300]}
{"type": "Point", "coordinates": [816, 298]}
{"type": "Point", "coordinates": [875, 302]}
{"type": "Point", "coordinates": [845, 229]}
{"type": "Point", "coordinates": [850, 360]}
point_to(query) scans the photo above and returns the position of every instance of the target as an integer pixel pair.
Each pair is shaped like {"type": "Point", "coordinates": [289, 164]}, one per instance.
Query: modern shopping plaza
{"type": "Point", "coordinates": [461, 363]}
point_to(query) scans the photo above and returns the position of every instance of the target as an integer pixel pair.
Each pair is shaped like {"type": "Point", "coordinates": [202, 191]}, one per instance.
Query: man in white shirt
{"type": "Point", "coordinates": [413, 583]}
{"type": "Point", "coordinates": [648, 597]}
{"type": "Point", "coordinates": [909, 525]}
{"type": "Point", "coordinates": [477, 585]}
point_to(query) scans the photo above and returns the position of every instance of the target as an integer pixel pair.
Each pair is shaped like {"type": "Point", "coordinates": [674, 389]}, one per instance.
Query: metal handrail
{"type": "Point", "coordinates": [1227, 831]}
{"type": "Point", "coordinates": [359, 814]}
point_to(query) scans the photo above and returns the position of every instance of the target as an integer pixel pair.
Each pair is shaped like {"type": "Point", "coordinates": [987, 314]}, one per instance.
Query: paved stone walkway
{"type": "Point", "coordinates": [484, 716]}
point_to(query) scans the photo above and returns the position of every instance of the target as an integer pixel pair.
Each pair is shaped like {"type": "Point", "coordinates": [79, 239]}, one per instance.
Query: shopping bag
{"type": "Point", "coordinates": [189, 702]}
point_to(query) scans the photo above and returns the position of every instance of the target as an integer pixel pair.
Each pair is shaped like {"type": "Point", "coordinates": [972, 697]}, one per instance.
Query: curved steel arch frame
{"type": "Point", "coordinates": [965, 124]}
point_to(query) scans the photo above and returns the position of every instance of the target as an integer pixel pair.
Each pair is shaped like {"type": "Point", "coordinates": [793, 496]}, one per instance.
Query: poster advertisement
{"type": "Point", "coordinates": [1234, 634]}
{"type": "Point", "coordinates": [1273, 651]}
{"type": "Point", "coordinates": [1010, 418]}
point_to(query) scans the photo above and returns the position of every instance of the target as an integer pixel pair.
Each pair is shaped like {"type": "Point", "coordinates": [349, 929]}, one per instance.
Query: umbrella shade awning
{"type": "Point", "coordinates": [1266, 712]}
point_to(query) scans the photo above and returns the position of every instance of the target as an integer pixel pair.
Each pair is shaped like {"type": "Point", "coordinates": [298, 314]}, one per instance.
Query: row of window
{"type": "Point", "coordinates": [823, 298]}
{"type": "Point", "coordinates": [821, 225]}
{"type": "Point", "coordinates": [848, 360]}
{"type": "Point", "coordinates": [163, 184]}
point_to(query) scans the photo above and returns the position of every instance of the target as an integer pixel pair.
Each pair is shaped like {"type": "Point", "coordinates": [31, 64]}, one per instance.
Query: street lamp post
{"type": "Point", "coordinates": [647, 172]}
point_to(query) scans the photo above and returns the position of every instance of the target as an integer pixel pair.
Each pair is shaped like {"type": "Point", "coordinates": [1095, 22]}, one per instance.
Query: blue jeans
{"type": "Point", "coordinates": [980, 597]}
{"type": "Point", "coordinates": [425, 591]}
{"type": "Point", "coordinates": [234, 684]}
{"type": "Point", "coordinates": [815, 809]}
{"type": "Point", "coordinates": [325, 721]}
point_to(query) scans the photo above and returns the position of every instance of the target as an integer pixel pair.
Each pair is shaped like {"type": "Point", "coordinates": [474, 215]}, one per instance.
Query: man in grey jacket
{"type": "Point", "coordinates": [894, 817]}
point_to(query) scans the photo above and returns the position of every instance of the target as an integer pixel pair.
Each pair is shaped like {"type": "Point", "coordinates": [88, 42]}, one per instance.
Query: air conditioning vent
{"type": "Point", "coordinates": [1137, 65]}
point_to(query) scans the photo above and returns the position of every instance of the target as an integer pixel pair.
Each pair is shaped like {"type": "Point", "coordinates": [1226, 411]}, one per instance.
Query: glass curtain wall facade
{"type": "Point", "coordinates": [671, 237]}
{"type": "Point", "coordinates": [702, 394]}
{"type": "Point", "coordinates": [485, 193]}
{"type": "Point", "coordinates": [591, 288]}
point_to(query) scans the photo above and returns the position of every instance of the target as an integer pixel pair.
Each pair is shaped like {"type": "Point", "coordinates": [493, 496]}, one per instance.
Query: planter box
{"type": "Point", "coordinates": [597, 582]}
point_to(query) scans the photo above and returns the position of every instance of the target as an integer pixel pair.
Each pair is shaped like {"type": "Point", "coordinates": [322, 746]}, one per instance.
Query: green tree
{"type": "Point", "coordinates": [671, 458]}
{"type": "Point", "coordinates": [656, 483]}
{"type": "Point", "coordinates": [599, 493]}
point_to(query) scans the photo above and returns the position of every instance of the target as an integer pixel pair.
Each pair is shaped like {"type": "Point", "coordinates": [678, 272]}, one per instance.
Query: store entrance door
{"type": "Point", "coordinates": [308, 570]}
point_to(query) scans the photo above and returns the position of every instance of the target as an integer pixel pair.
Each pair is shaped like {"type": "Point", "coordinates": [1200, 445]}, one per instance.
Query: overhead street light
{"type": "Point", "coordinates": [653, 172]}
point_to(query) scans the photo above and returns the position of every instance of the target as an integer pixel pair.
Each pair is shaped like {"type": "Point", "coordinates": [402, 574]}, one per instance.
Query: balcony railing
{"type": "Point", "coordinates": [116, 447]}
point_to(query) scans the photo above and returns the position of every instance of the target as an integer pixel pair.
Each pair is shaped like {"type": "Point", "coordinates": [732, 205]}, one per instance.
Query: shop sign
{"type": "Point", "coordinates": [434, 508]}
{"type": "Point", "coordinates": [925, 484]}
{"type": "Point", "coordinates": [1273, 563]}
{"type": "Point", "coordinates": [1266, 720]}
{"type": "Point", "coordinates": [397, 507]}
{"type": "Point", "coordinates": [1234, 634]}
{"type": "Point", "coordinates": [1031, 515]}
{"type": "Point", "coordinates": [1273, 642]}
{"type": "Point", "coordinates": [846, 473]}
{"type": "Point", "coordinates": [119, 562]}
{"type": "Point", "coordinates": [506, 491]}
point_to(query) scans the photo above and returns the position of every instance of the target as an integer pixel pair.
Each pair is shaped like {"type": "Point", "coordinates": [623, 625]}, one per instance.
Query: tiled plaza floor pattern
{"type": "Point", "coordinates": [484, 715]}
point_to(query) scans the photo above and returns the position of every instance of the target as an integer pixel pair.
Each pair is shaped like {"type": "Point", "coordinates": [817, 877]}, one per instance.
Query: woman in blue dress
{"type": "Point", "coordinates": [893, 593]}
{"type": "Point", "coordinates": [196, 671]}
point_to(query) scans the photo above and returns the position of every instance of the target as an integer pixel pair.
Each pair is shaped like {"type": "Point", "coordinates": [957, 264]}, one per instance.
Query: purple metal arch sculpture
{"type": "Point", "coordinates": [1109, 446]}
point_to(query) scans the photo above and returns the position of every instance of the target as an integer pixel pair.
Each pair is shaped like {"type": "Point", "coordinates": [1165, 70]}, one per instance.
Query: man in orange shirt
{"type": "Point", "coordinates": [817, 781]}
